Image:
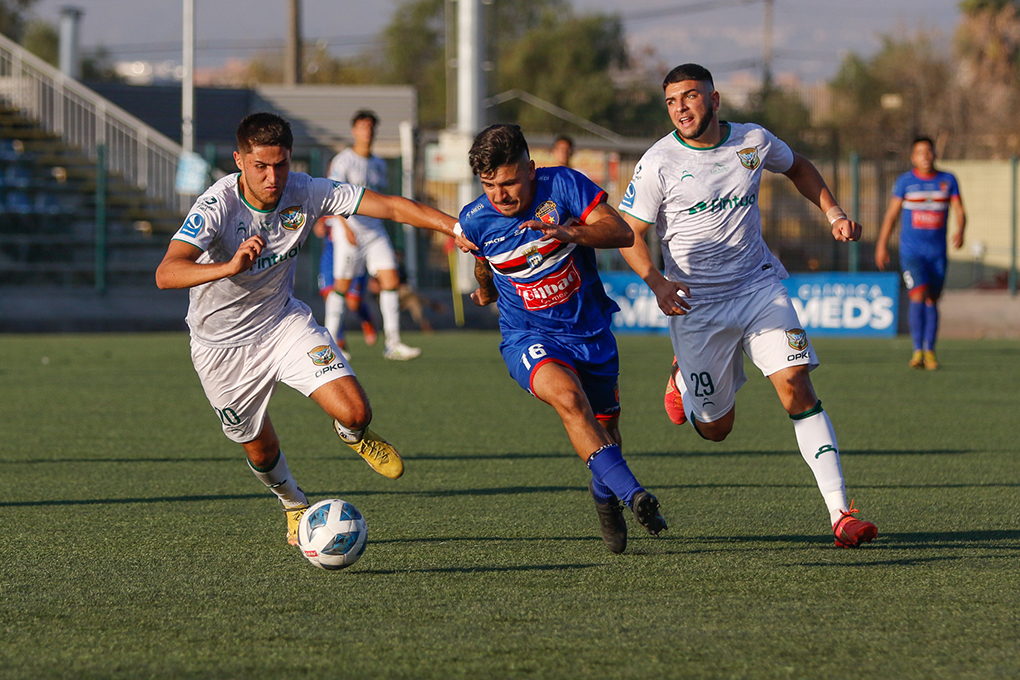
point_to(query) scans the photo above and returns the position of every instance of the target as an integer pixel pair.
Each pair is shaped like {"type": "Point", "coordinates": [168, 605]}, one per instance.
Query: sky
{"type": "Point", "coordinates": [810, 37]}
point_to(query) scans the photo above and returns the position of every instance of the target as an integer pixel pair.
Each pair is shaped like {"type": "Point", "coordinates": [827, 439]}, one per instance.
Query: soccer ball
{"type": "Point", "coordinates": [332, 534]}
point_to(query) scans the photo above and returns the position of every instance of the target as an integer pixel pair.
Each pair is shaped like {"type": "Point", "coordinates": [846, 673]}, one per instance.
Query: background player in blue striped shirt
{"type": "Point", "coordinates": [537, 230]}
{"type": "Point", "coordinates": [924, 196]}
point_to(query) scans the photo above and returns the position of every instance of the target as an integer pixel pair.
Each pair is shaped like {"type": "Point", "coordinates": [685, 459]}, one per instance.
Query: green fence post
{"type": "Point", "coordinates": [315, 245]}
{"type": "Point", "coordinates": [1012, 225]}
{"type": "Point", "coordinates": [100, 235]}
{"type": "Point", "coordinates": [855, 208]}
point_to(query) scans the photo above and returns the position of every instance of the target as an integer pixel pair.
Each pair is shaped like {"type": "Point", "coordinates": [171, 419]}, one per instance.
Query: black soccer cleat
{"type": "Point", "coordinates": [646, 512]}
{"type": "Point", "coordinates": [611, 523]}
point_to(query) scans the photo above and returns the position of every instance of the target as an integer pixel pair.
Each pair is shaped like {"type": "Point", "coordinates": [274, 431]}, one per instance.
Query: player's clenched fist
{"type": "Point", "coordinates": [247, 253]}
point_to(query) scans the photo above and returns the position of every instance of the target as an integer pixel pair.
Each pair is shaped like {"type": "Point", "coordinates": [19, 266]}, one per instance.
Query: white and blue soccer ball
{"type": "Point", "coordinates": [332, 534]}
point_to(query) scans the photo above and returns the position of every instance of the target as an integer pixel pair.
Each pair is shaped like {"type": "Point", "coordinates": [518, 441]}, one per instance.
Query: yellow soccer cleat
{"type": "Point", "coordinates": [377, 452]}
{"type": "Point", "coordinates": [293, 520]}
{"type": "Point", "coordinates": [917, 360]}
{"type": "Point", "coordinates": [930, 362]}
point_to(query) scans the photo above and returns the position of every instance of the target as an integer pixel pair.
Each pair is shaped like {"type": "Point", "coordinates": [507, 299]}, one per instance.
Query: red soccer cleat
{"type": "Point", "coordinates": [674, 402]}
{"type": "Point", "coordinates": [850, 532]}
{"type": "Point", "coordinates": [369, 330]}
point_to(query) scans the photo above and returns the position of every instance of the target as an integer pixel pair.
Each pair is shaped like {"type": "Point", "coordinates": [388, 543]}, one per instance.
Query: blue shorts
{"type": "Point", "coordinates": [923, 270]}
{"type": "Point", "coordinates": [596, 363]}
{"type": "Point", "coordinates": [326, 268]}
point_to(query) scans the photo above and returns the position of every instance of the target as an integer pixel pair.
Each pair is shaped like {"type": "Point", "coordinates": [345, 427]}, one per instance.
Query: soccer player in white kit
{"type": "Point", "coordinates": [698, 187]}
{"type": "Point", "coordinates": [236, 252]}
{"type": "Point", "coordinates": [361, 242]}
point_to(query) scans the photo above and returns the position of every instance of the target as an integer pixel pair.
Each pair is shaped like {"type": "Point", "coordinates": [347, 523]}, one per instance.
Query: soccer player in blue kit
{"type": "Point", "coordinates": [537, 231]}
{"type": "Point", "coordinates": [924, 196]}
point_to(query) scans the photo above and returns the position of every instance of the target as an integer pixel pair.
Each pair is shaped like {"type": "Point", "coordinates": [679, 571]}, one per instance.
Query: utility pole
{"type": "Point", "coordinates": [188, 79]}
{"type": "Point", "coordinates": [766, 57]}
{"type": "Point", "coordinates": [292, 61]}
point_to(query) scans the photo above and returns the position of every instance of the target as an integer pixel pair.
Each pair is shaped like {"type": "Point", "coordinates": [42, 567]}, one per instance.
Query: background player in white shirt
{"type": "Point", "coordinates": [361, 242]}
{"type": "Point", "coordinates": [722, 291]}
{"type": "Point", "coordinates": [236, 252]}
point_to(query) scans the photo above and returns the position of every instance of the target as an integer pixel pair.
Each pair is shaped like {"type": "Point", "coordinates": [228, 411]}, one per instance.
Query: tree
{"type": "Point", "coordinates": [12, 17]}
{"type": "Point", "coordinates": [902, 92]}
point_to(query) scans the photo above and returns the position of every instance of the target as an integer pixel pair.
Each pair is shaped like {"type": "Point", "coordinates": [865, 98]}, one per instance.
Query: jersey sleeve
{"type": "Point", "coordinates": [644, 194]}
{"type": "Point", "coordinates": [779, 157]}
{"type": "Point", "coordinates": [899, 189]}
{"type": "Point", "coordinates": [582, 194]}
{"type": "Point", "coordinates": [954, 186]}
{"type": "Point", "coordinates": [202, 223]}
{"type": "Point", "coordinates": [336, 198]}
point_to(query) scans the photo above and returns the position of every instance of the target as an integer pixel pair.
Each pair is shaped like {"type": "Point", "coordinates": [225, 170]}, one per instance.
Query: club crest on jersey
{"type": "Point", "coordinates": [548, 213]}
{"type": "Point", "coordinates": [749, 157]}
{"type": "Point", "coordinates": [533, 256]}
{"type": "Point", "coordinates": [797, 337]}
{"type": "Point", "coordinates": [292, 218]}
{"type": "Point", "coordinates": [322, 355]}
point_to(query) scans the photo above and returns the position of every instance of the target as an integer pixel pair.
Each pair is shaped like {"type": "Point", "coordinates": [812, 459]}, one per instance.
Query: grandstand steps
{"type": "Point", "coordinates": [48, 212]}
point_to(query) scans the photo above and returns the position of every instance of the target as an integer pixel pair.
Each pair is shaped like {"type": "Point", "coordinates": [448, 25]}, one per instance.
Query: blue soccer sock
{"type": "Point", "coordinates": [602, 493]}
{"type": "Point", "coordinates": [915, 318]}
{"type": "Point", "coordinates": [608, 466]}
{"type": "Point", "coordinates": [931, 326]}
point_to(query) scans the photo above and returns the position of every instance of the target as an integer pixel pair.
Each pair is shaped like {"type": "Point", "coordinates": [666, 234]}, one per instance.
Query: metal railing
{"type": "Point", "coordinates": [83, 120]}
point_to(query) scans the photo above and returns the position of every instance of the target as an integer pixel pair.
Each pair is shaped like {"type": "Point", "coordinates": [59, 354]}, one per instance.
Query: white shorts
{"type": "Point", "coordinates": [374, 253]}
{"type": "Point", "coordinates": [239, 381]}
{"type": "Point", "coordinates": [710, 340]}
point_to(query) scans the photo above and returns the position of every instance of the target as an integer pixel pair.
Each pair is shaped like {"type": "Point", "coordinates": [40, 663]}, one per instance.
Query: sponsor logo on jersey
{"type": "Point", "coordinates": [722, 203]}
{"type": "Point", "coordinates": [548, 213]}
{"type": "Point", "coordinates": [475, 209]}
{"type": "Point", "coordinates": [322, 355]}
{"type": "Point", "coordinates": [207, 202]}
{"type": "Point", "coordinates": [292, 218]}
{"type": "Point", "coordinates": [192, 225]}
{"type": "Point", "coordinates": [552, 290]}
{"type": "Point", "coordinates": [749, 157]}
{"type": "Point", "coordinates": [797, 337]}
{"type": "Point", "coordinates": [719, 168]}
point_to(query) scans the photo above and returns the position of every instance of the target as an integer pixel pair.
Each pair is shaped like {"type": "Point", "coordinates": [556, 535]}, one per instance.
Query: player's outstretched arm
{"type": "Point", "coordinates": [604, 228]}
{"type": "Point", "coordinates": [179, 269]}
{"type": "Point", "coordinates": [809, 183]}
{"type": "Point", "coordinates": [406, 211]}
{"type": "Point", "coordinates": [892, 215]}
{"type": "Point", "coordinates": [486, 293]}
{"type": "Point", "coordinates": [667, 293]}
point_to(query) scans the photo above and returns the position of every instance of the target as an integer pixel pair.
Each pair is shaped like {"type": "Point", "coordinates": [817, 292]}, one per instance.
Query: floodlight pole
{"type": "Point", "coordinates": [188, 79]}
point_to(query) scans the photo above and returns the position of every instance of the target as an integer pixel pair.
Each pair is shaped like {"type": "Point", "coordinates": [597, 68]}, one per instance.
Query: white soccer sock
{"type": "Point", "coordinates": [389, 305]}
{"type": "Point", "coordinates": [279, 480]}
{"type": "Point", "coordinates": [334, 321]}
{"type": "Point", "coordinates": [817, 442]}
{"type": "Point", "coordinates": [350, 436]}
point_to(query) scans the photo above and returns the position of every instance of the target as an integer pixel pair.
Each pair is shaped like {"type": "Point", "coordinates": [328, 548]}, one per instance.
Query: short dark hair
{"type": "Point", "coordinates": [365, 114]}
{"type": "Point", "coordinates": [927, 140]}
{"type": "Point", "coordinates": [688, 72]}
{"type": "Point", "coordinates": [564, 138]}
{"type": "Point", "coordinates": [496, 146]}
{"type": "Point", "coordinates": [264, 129]}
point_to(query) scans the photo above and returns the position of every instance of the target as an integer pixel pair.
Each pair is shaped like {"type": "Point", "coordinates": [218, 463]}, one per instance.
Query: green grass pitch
{"type": "Point", "coordinates": [136, 544]}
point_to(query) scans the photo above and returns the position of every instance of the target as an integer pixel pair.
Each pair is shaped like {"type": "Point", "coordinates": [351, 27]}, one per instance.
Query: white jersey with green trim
{"type": "Point", "coordinates": [353, 168]}
{"type": "Point", "coordinates": [704, 205]}
{"type": "Point", "coordinates": [238, 310]}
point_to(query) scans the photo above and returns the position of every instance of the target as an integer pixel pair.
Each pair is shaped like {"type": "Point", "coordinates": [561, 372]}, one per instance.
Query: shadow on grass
{"type": "Point", "coordinates": [477, 570]}
{"type": "Point", "coordinates": [493, 456]}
